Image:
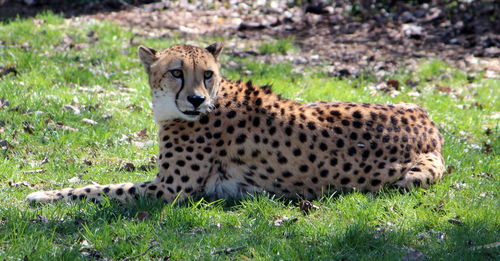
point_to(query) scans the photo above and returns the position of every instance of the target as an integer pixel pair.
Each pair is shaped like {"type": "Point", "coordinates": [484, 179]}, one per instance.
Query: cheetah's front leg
{"type": "Point", "coordinates": [123, 192]}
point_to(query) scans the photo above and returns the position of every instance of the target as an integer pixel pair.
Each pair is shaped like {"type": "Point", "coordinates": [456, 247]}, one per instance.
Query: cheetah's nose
{"type": "Point", "coordinates": [196, 100]}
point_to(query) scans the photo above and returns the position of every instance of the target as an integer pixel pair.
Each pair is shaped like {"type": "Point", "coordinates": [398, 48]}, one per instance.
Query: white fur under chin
{"type": "Point", "coordinates": [164, 108]}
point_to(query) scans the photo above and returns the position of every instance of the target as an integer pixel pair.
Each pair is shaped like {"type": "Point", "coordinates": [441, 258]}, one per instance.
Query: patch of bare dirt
{"type": "Point", "coordinates": [10, 9]}
{"type": "Point", "coordinates": [345, 37]}
{"type": "Point", "coordinates": [347, 42]}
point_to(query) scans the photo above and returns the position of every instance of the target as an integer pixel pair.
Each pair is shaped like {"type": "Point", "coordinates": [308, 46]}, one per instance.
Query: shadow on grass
{"type": "Point", "coordinates": [253, 233]}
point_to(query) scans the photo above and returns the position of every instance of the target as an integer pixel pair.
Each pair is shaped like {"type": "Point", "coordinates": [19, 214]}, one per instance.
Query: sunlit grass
{"type": "Point", "coordinates": [280, 46]}
{"type": "Point", "coordinates": [101, 77]}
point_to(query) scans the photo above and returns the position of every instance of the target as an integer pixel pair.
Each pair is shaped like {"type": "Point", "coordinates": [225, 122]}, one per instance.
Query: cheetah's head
{"type": "Point", "coordinates": [184, 80]}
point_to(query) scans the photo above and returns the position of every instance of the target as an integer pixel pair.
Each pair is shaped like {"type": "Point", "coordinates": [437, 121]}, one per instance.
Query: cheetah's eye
{"type": "Point", "coordinates": [176, 73]}
{"type": "Point", "coordinates": [208, 74]}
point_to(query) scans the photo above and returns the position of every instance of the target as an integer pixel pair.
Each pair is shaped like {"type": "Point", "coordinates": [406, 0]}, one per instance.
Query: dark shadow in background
{"type": "Point", "coordinates": [10, 9]}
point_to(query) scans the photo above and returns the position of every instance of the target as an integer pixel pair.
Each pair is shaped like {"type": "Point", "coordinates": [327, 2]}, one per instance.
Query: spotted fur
{"type": "Point", "coordinates": [245, 139]}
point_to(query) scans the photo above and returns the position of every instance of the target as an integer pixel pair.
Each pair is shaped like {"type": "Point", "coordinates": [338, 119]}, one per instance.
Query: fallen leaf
{"type": "Point", "coordinates": [64, 127]}
{"type": "Point", "coordinates": [87, 162]}
{"type": "Point", "coordinates": [455, 221]}
{"type": "Point", "coordinates": [72, 108]}
{"type": "Point", "coordinates": [412, 31]}
{"type": "Point", "coordinates": [97, 89]}
{"type": "Point", "coordinates": [124, 138]}
{"type": "Point", "coordinates": [147, 167]}
{"type": "Point", "coordinates": [141, 133]}
{"type": "Point", "coordinates": [20, 184]}
{"type": "Point", "coordinates": [444, 89]}
{"type": "Point", "coordinates": [28, 127]}
{"type": "Point", "coordinates": [393, 83]}
{"type": "Point", "coordinates": [487, 148]}
{"type": "Point", "coordinates": [89, 121]}
{"type": "Point", "coordinates": [74, 179]}
{"type": "Point", "coordinates": [143, 215]}
{"type": "Point", "coordinates": [4, 103]}
{"type": "Point", "coordinates": [45, 160]}
{"type": "Point", "coordinates": [306, 206]}
{"type": "Point", "coordinates": [91, 253]}
{"type": "Point", "coordinates": [106, 116]}
{"type": "Point", "coordinates": [479, 105]}
{"type": "Point", "coordinates": [34, 171]}
{"type": "Point", "coordinates": [134, 107]}
{"type": "Point", "coordinates": [142, 144]}
{"type": "Point", "coordinates": [459, 185]}
{"type": "Point", "coordinates": [228, 250]}
{"type": "Point", "coordinates": [284, 220]}
{"type": "Point", "coordinates": [40, 219]}
{"type": "Point", "coordinates": [486, 175]}
{"type": "Point", "coordinates": [450, 169]}
{"type": "Point", "coordinates": [411, 83]}
{"type": "Point", "coordinates": [414, 94]}
{"type": "Point", "coordinates": [5, 145]}
{"type": "Point", "coordinates": [85, 243]}
{"type": "Point", "coordinates": [128, 166]}
{"type": "Point", "coordinates": [6, 70]}
{"type": "Point", "coordinates": [440, 236]}
{"type": "Point", "coordinates": [439, 207]}
{"type": "Point", "coordinates": [413, 255]}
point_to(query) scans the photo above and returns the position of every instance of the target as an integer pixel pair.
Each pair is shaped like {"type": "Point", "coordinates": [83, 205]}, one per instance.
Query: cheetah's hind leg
{"type": "Point", "coordinates": [428, 170]}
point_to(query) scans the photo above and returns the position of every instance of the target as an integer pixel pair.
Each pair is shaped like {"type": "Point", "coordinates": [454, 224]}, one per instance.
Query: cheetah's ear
{"type": "Point", "coordinates": [215, 49]}
{"type": "Point", "coordinates": [147, 56]}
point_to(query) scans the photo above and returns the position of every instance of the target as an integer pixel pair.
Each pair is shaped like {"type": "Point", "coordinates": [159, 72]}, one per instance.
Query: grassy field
{"type": "Point", "coordinates": [78, 111]}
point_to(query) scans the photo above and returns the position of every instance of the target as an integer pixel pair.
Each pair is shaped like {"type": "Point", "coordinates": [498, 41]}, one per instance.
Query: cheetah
{"type": "Point", "coordinates": [227, 139]}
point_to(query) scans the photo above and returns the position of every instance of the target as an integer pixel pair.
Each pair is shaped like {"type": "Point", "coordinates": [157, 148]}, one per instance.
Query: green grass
{"type": "Point", "coordinates": [54, 71]}
{"type": "Point", "coordinates": [280, 46]}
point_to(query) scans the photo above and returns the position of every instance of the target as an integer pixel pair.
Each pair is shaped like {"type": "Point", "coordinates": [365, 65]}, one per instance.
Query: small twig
{"type": "Point", "coordinates": [141, 254]}
{"type": "Point", "coordinates": [228, 250]}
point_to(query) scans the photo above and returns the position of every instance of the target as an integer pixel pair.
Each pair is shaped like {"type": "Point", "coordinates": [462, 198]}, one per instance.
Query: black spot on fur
{"type": "Point", "coordinates": [231, 114]}
{"type": "Point", "coordinates": [345, 181]}
{"type": "Point", "coordinates": [204, 119]}
{"type": "Point", "coordinates": [357, 115]}
{"type": "Point", "coordinates": [375, 182]}
{"type": "Point", "coordinates": [241, 138]}
{"type": "Point", "coordinates": [334, 162]}
{"type": "Point", "coordinates": [347, 166]}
